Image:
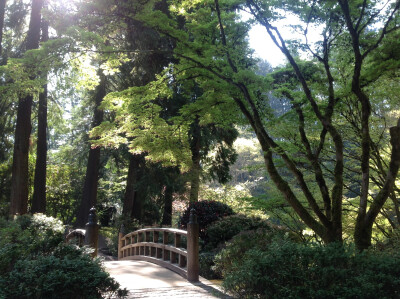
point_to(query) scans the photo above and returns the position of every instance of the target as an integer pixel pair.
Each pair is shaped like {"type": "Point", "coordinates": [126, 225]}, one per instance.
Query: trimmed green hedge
{"type": "Point", "coordinates": [35, 263]}
{"type": "Point", "coordinates": [256, 265]}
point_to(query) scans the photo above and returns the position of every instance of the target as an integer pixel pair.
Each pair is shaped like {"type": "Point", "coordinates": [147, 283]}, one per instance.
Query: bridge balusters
{"type": "Point", "coordinates": [165, 242]}
{"type": "Point", "coordinates": [135, 241]}
{"type": "Point", "coordinates": [158, 251]}
{"type": "Point", "coordinates": [178, 244]}
{"type": "Point", "coordinates": [140, 240]}
{"type": "Point", "coordinates": [153, 252]}
{"type": "Point", "coordinates": [182, 261]}
{"type": "Point", "coordinates": [177, 241]}
{"type": "Point", "coordinates": [172, 248]}
{"type": "Point", "coordinates": [147, 239]}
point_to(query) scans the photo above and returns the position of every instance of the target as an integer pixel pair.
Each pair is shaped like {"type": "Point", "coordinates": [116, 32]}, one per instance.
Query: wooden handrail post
{"type": "Point", "coordinates": [193, 267]}
{"type": "Point", "coordinates": [92, 232]}
{"type": "Point", "coordinates": [120, 245]}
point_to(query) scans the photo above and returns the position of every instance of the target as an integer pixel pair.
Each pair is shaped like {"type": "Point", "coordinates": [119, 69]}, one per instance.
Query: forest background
{"type": "Point", "coordinates": [134, 107]}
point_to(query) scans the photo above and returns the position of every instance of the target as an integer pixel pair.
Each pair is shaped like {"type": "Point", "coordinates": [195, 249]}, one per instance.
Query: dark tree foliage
{"type": "Point", "coordinates": [207, 212]}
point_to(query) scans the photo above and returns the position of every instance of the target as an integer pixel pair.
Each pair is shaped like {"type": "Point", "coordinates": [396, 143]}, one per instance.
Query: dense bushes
{"type": "Point", "coordinates": [221, 231]}
{"type": "Point", "coordinates": [226, 228]}
{"type": "Point", "coordinates": [206, 263]}
{"type": "Point", "coordinates": [28, 236]}
{"type": "Point", "coordinates": [207, 212]}
{"type": "Point", "coordinates": [258, 265]}
{"type": "Point", "coordinates": [35, 263]}
{"type": "Point", "coordinates": [68, 273]}
{"type": "Point", "coordinates": [218, 224]}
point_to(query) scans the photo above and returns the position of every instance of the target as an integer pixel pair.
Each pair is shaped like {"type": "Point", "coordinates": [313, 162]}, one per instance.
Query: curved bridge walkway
{"type": "Point", "coordinates": [147, 280]}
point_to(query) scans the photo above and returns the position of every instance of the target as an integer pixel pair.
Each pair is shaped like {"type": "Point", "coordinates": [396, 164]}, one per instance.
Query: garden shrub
{"type": "Point", "coordinates": [35, 263]}
{"type": "Point", "coordinates": [28, 236]}
{"type": "Point", "coordinates": [74, 275]}
{"type": "Point", "coordinates": [220, 231]}
{"type": "Point", "coordinates": [206, 261]}
{"type": "Point", "coordinates": [254, 267]}
{"type": "Point", "coordinates": [207, 211]}
{"type": "Point", "coordinates": [224, 229]}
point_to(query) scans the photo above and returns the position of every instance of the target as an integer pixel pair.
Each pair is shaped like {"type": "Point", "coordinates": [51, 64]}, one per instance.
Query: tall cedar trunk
{"type": "Point", "coordinates": [167, 214]}
{"type": "Point", "coordinates": [39, 193]}
{"type": "Point", "coordinates": [196, 168]}
{"type": "Point", "coordinates": [132, 201]}
{"type": "Point", "coordinates": [137, 210]}
{"type": "Point", "coordinates": [2, 11]}
{"type": "Point", "coordinates": [89, 196]}
{"type": "Point", "coordinates": [19, 181]}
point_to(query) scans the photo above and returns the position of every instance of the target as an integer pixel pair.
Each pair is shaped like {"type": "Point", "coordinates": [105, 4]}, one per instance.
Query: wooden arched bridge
{"type": "Point", "coordinates": [173, 249]}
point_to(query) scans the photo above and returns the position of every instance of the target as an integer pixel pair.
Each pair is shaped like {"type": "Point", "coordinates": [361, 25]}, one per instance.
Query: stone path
{"type": "Point", "coordinates": [147, 280]}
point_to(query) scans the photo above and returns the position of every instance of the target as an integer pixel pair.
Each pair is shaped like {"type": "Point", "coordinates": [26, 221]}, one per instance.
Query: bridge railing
{"type": "Point", "coordinates": [175, 249]}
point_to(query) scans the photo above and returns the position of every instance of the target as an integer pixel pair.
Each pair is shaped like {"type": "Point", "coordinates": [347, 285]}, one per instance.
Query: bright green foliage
{"type": "Point", "coordinates": [300, 112]}
{"type": "Point", "coordinates": [35, 263]}
{"type": "Point", "coordinates": [254, 265]}
{"type": "Point", "coordinates": [63, 190]}
{"type": "Point", "coordinates": [139, 123]}
{"type": "Point", "coordinates": [211, 69]}
{"type": "Point", "coordinates": [152, 118]}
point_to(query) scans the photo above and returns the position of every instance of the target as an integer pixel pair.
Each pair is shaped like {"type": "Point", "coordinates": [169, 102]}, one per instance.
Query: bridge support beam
{"type": "Point", "coordinates": [193, 267]}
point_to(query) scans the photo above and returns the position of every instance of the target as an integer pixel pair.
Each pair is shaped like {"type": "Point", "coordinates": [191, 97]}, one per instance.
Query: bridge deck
{"type": "Point", "coordinates": [147, 280]}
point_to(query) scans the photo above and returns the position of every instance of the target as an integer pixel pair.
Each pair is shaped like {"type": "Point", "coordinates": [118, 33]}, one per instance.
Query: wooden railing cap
{"type": "Point", "coordinates": [158, 229]}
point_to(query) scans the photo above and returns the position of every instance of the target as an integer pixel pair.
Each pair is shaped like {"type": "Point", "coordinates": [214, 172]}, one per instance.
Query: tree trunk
{"type": "Point", "coordinates": [396, 208]}
{"type": "Point", "coordinates": [39, 193]}
{"type": "Point", "coordinates": [137, 209]}
{"type": "Point", "coordinates": [167, 214]}
{"type": "Point", "coordinates": [2, 11]}
{"type": "Point", "coordinates": [19, 181]}
{"type": "Point", "coordinates": [133, 200]}
{"type": "Point", "coordinates": [131, 180]}
{"type": "Point", "coordinates": [365, 220]}
{"type": "Point", "coordinates": [89, 196]}
{"type": "Point", "coordinates": [363, 229]}
{"type": "Point", "coordinates": [196, 168]}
